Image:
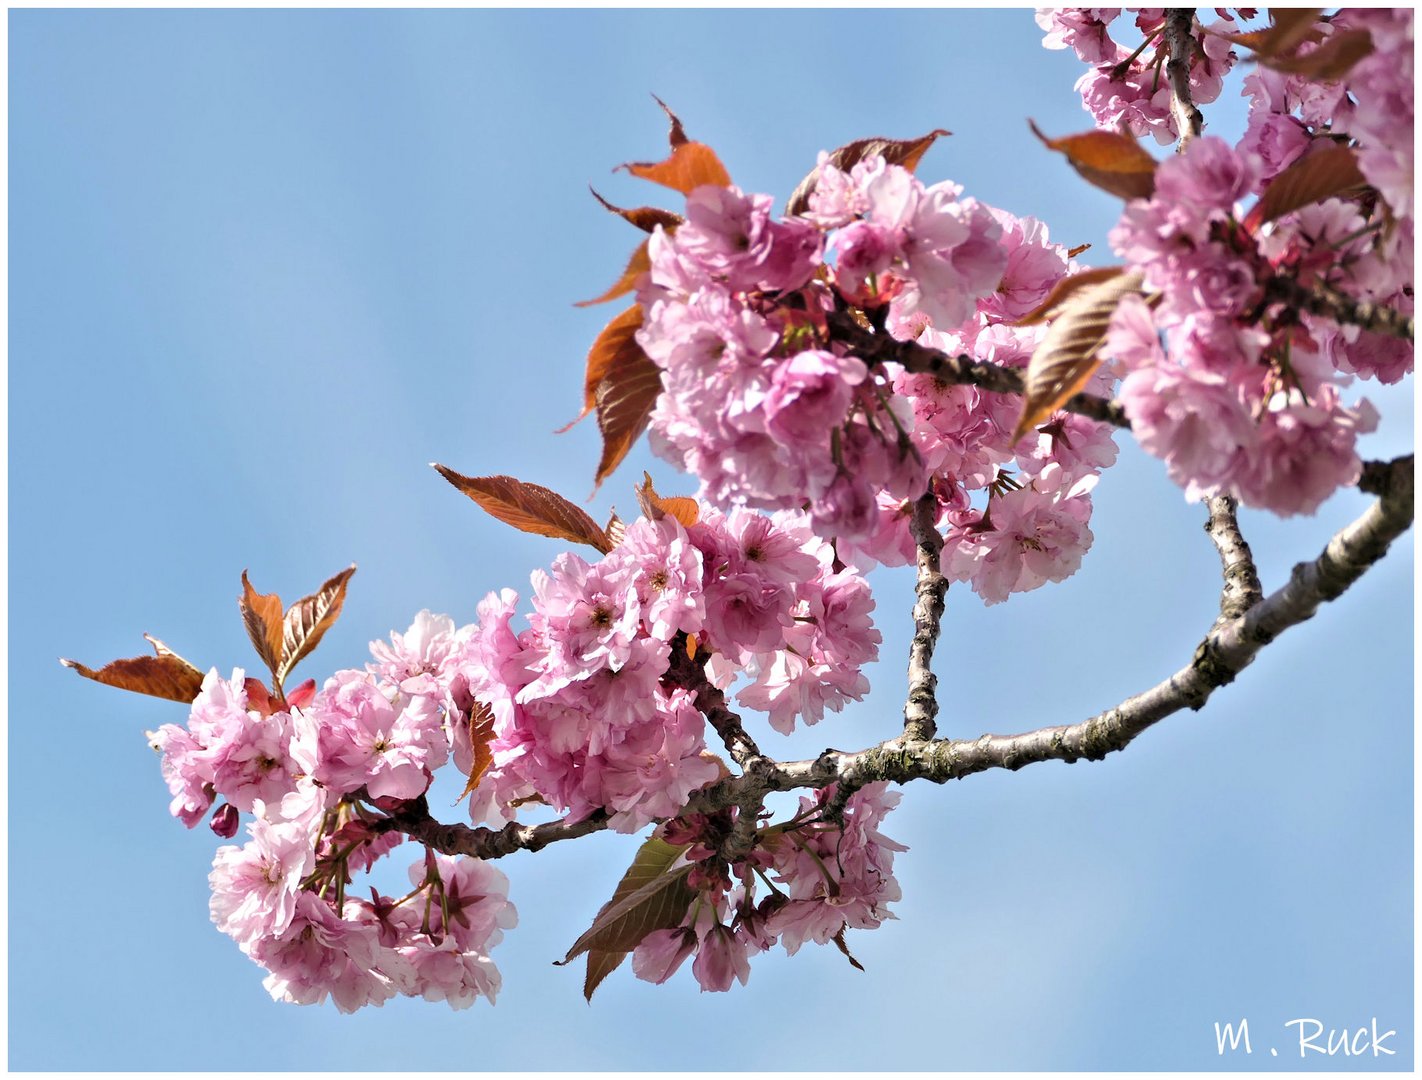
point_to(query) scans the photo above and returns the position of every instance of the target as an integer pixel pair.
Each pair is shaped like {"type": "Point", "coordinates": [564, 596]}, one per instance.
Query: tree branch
{"type": "Point", "coordinates": [1321, 299]}
{"type": "Point", "coordinates": [1227, 649]}
{"type": "Point", "coordinates": [922, 705]}
{"type": "Point", "coordinates": [1242, 589]}
{"type": "Point", "coordinates": [1180, 40]}
{"type": "Point", "coordinates": [875, 348]}
{"type": "Point", "coordinates": [686, 671]}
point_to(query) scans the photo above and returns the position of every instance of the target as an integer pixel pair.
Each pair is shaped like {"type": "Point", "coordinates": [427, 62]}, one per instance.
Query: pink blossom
{"type": "Point", "coordinates": [1030, 536]}
{"type": "Point", "coordinates": [731, 235]}
{"type": "Point", "coordinates": [837, 879]}
{"type": "Point", "coordinates": [721, 959]}
{"type": "Point", "coordinates": [667, 576]}
{"type": "Point", "coordinates": [1034, 265]}
{"type": "Point", "coordinates": [810, 396]}
{"type": "Point", "coordinates": [659, 954]}
{"type": "Point", "coordinates": [1305, 452]}
{"type": "Point", "coordinates": [255, 887]}
{"type": "Point", "coordinates": [366, 739]}
{"type": "Point", "coordinates": [422, 659]}
{"type": "Point", "coordinates": [1082, 29]}
{"type": "Point", "coordinates": [1194, 420]}
{"type": "Point", "coordinates": [322, 955]}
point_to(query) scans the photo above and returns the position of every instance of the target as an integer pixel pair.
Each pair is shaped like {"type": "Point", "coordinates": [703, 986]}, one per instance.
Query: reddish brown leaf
{"type": "Point", "coordinates": [1069, 352]}
{"type": "Point", "coordinates": [166, 675]}
{"type": "Point", "coordinates": [307, 621]}
{"type": "Point", "coordinates": [1111, 161]}
{"type": "Point", "coordinates": [1065, 289]}
{"type": "Point", "coordinates": [690, 165]}
{"type": "Point", "coordinates": [481, 734]}
{"type": "Point", "coordinates": [1074, 252]}
{"type": "Point", "coordinates": [615, 528]}
{"type": "Point", "coordinates": [646, 218]}
{"type": "Point", "coordinates": [677, 135]}
{"type": "Point", "coordinates": [1291, 27]}
{"type": "Point", "coordinates": [1331, 61]}
{"type": "Point", "coordinates": [615, 345]}
{"type": "Point", "coordinates": [838, 940]}
{"type": "Point", "coordinates": [258, 696]}
{"type": "Point", "coordinates": [302, 695]}
{"type": "Point", "coordinates": [530, 508]}
{"type": "Point", "coordinates": [1312, 178]}
{"type": "Point", "coordinates": [262, 616]}
{"type": "Point", "coordinates": [601, 964]}
{"type": "Point", "coordinates": [684, 510]}
{"type": "Point", "coordinates": [904, 152]}
{"type": "Point", "coordinates": [637, 265]}
{"type": "Point", "coordinates": [625, 399]}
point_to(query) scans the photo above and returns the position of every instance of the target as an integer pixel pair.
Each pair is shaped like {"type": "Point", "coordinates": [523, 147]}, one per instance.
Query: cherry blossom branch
{"type": "Point", "coordinates": [875, 348]}
{"type": "Point", "coordinates": [687, 672]}
{"type": "Point", "coordinates": [414, 821]}
{"type": "Point", "coordinates": [922, 704]}
{"type": "Point", "coordinates": [1228, 648]}
{"type": "Point", "coordinates": [1321, 299]}
{"type": "Point", "coordinates": [1242, 589]}
{"type": "Point", "coordinates": [1180, 40]}
{"type": "Point", "coordinates": [684, 670]}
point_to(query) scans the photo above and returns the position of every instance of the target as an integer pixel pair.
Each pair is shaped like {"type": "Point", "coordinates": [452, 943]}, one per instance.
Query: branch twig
{"type": "Point", "coordinates": [922, 705]}
{"type": "Point", "coordinates": [1242, 589]}
{"type": "Point", "coordinates": [875, 348]}
{"type": "Point", "coordinates": [1180, 39]}
{"type": "Point", "coordinates": [1321, 299]}
{"type": "Point", "coordinates": [1228, 648]}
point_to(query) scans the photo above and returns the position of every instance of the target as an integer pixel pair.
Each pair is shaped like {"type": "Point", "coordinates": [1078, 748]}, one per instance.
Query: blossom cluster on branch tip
{"type": "Point", "coordinates": [816, 879]}
{"type": "Point", "coordinates": [1224, 376]}
{"type": "Point", "coordinates": [586, 712]}
{"type": "Point", "coordinates": [1127, 88]}
{"type": "Point", "coordinates": [316, 777]}
{"type": "Point", "coordinates": [768, 409]}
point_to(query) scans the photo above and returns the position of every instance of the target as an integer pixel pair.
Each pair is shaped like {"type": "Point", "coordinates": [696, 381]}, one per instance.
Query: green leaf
{"type": "Point", "coordinates": [651, 896]}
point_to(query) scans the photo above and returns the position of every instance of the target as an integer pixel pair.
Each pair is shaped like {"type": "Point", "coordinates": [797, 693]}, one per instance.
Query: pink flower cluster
{"type": "Point", "coordinates": [312, 768]}
{"type": "Point", "coordinates": [281, 898]}
{"type": "Point", "coordinates": [1033, 527]}
{"type": "Point", "coordinates": [587, 714]}
{"type": "Point", "coordinates": [1128, 88]}
{"type": "Point", "coordinates": [1290, 114]}
{"type": "Point", "coordinates": [1249, 400]}
{"type": "Point", "coordinates": [757, 404]}
{"type": "Point", "coordinates": [833, 880]}
{"type": "Point", "coordinates": [767, 408]}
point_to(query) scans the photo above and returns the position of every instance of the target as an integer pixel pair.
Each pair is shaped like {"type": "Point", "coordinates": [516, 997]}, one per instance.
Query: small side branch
{"type": "Point", "coordinates": [875, 348]}
{"type": "Point", "coordinates": [1321, 299]}
{"type": "Point", "coordinates": [1180, 40]}
{"type": "Point", "coordinates": [1242, 589]}
{"type": "Point", "coordinates": [1226, 651]}
{"type": "Point", "coordinates": [686, 671]}
{"type": "Point", "coordinates": [484, 843]}
{"type": "Point", "coordinates": [1228, 648]}
{"type": "Point", "coordinates": [922, 705]}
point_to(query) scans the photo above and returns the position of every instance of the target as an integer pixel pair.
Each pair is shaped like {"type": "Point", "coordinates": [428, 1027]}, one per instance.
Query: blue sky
{"type": "Point", "coordinates": [265, 266]}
